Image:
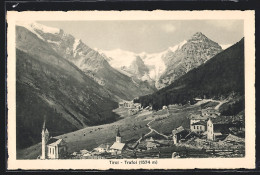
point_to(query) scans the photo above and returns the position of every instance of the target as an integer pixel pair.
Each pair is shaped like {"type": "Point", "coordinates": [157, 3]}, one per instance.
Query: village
{"type": "Point", "coordinates": [207, 134]}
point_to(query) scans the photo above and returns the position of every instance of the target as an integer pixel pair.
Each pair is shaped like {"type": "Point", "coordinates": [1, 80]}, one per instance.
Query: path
{"type": "Point", "coordinates": [211, 100]}
{"type": "Point", "coordinates": [151, 130]}
{"type": "Point", "coordinates": [220, 103]}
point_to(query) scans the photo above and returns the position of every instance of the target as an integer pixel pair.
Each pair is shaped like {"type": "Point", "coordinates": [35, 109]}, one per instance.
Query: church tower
{"type": "Point", "coordinates": [45, 138]}
{"type": "Point", "coordinates": [118, 136]}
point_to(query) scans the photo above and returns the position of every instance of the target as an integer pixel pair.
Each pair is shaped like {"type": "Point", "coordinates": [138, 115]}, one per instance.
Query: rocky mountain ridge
{"type": "Point", "coordinates": [91, 62]}
{"type": "Point", "coordinates": [167, 66]}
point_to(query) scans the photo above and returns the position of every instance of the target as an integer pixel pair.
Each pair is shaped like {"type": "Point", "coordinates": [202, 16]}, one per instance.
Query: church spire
{"type": "Point", "coordinates": [45, 138]}
{"type": "Point", "coordinates": [44, 123]}
{"type": "Point", "coordinates": [118, 136]}
{"type": "Point", "coordinates": [118, 133]}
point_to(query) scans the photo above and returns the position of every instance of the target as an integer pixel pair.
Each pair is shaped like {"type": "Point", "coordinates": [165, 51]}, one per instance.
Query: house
{"type": "Point", "coordinates": [52, 148]}
{"type": "Point", "coordinates": [102, 148]}
{"type": "Point", "coordinates": [84, 151]}
{"type": "Point", "coordinates": [178, 134]}
{"type": "Point", "coordinates": [118, 146]}
{"type": "Point", "coordinates": [152, 145]}
{"type": "Point", "coordinates": [218, 127]}
{"type": "Point", "coordinates": [194, 118]}
{"type": "Point", "coordinates": [126, 104]}
{"type": "Point", "coordinates": [210, 112]}
{"type": "Point", "coordinates": [133, 111]}
{"type": "Point", "coordinates": [150, 139]}
{"type": "Point", "coordinates": [138, 106]}
{"type": "Point", "coordinates": [198, 127]}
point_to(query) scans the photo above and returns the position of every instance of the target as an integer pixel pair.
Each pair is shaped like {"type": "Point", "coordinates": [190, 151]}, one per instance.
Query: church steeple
{"type": "Point", "coordinates": [118, 133]}
{"type": "Point", "coordinates": [118, 136]}
{"type": "Point", "coordinates": [45, 138]}
{"type": "Point", "coordinates": [43, 126]}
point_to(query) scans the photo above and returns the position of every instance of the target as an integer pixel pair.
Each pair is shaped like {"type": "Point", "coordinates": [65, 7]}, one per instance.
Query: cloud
{"type": "Point", "coordinates": [168, 28]}
{"type": "Point", "coordinates": [225, 24]}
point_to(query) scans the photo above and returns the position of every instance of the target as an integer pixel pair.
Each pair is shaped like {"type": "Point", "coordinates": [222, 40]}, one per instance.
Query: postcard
{"type": "Point", "coordinates": [99, 90]}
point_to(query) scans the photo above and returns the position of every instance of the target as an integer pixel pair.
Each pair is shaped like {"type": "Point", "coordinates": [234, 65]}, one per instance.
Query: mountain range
{"type": "Point", "coordinates": [216, 78]}
{"type": "Point", "coordinates": [161, 69]}
{"type": "Point", "coordinates": [60, 78]}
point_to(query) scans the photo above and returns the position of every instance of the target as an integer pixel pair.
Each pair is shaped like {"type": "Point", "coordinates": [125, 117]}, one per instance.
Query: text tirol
{"type": "Point", "coordinates": [133, 162]}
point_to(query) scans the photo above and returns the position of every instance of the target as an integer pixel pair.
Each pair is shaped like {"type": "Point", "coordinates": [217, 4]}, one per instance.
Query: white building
{"type": "Point", "coordinates": [210, 113]}
{"type": "Point", "coordinates": [52, 148]}
{"type": "Point", "coordinates": [102, 148]}
{"type": "Point", "coordinates": [198, 127]}
{"type": "Point", "coordinates": [118, 146]}
{"type": "Point", "coordinates": [216, 127]}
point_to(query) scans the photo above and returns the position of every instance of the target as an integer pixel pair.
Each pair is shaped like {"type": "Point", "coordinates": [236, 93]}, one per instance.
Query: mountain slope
{"type": "Point", "coordinates": [220, 76]}
{"type": "Point", "coordinates": [91, 62]}
{"type": "Point", "coordinates": [49, 85]}
{"type": "Point", "coordinates": [193, 53]}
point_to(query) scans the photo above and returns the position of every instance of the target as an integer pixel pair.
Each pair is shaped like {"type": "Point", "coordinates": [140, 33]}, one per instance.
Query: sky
{"type": "Point", "coordinates": [148, 36]}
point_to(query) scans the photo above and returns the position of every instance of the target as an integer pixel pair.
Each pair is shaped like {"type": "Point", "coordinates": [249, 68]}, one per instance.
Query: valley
{"type": "Point", "coordinates": [131, 129]}
{"type": "Point", "coordinates": [118, 104]}
{"type": "Point", "coordinates": [135, 129]}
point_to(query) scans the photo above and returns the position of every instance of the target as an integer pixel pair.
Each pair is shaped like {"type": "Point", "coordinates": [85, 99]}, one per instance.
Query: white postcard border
{"type": "Point", "coordinates": [103, 164]}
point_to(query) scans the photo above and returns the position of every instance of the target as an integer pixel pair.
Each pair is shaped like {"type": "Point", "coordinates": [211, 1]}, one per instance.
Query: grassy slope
{"type": "Point", "coordinates": [178, 117]}
{"type": "Point", "coordinates": [131, 128]}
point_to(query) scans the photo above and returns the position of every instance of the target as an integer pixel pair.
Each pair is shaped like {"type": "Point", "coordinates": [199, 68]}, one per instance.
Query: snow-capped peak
{"type": "Point", "coordinates": [38, 26]}
{"type": "Point", "coordinates": [119, 58]}
{"type": "Point", "coordinates": [34, 27]}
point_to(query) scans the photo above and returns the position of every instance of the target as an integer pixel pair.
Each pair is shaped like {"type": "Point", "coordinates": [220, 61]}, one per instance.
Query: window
{"type": "Point", "coordinates": [197, 127]}
{"type": "Point", "coordinates": [194, 127]}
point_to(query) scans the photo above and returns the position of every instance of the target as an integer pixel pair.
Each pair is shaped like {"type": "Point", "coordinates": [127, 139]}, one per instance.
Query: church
{"type": "Point", "coordinates": [52, 148]}
{"type": "Point", "coordinates": [118, 146]}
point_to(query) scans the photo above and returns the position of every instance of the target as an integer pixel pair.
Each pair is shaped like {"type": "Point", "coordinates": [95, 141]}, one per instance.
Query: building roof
{"type": "Point", "coordinates": [177, 130]}
{"type": "Point", "coordinates": [222, 120]}
{"type": "Point", "coordinates": [198, 117]}
{"type": "Point", "coordinates": [151, 144]}
{"type": "Point", "coordinates": [222, 128]}
{"type": "Point", "coordinates": [117, 146]}
{"type": "Point", "coordinates": [150, 139]}
{"type": "Point", "coordinates": [55, 142]}
{"type": "Point", "coordinates": [52, 140]}
{"type": "Point", "coordinates": [199, 123]}
{"type": "Point", "coordinates": [84, 151]}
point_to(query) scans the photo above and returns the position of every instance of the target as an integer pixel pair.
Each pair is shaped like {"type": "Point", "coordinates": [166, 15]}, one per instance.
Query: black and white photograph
{"type": "Point", "coordinates": [131, 91]}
